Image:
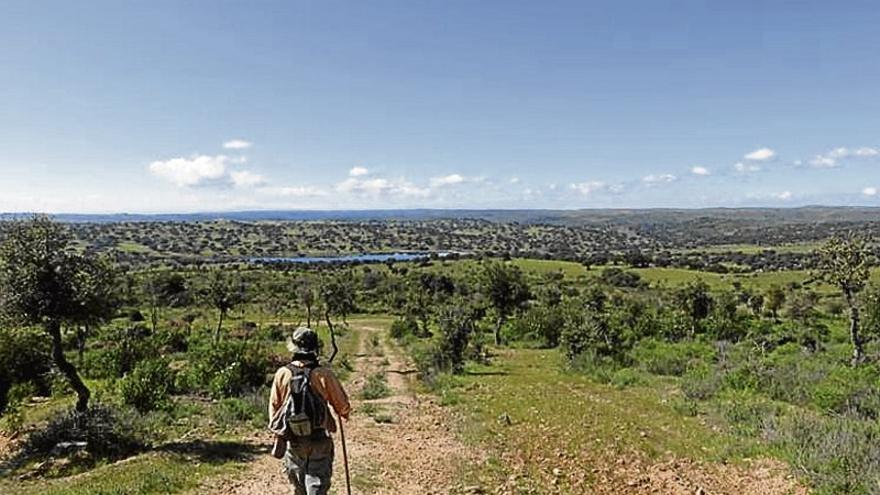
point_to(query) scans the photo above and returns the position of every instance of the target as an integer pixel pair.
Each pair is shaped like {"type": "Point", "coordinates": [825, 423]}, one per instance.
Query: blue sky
{"type": "Point", "coordinates": [160, 106]}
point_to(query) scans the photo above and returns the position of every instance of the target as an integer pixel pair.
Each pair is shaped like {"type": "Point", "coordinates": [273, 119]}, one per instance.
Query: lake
{"type": "Point", "coordinates": [350, 258]}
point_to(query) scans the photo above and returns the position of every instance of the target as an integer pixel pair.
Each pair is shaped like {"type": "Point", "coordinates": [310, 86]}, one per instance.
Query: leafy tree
{"type": "Point", "coordinates": [44, 282]}
{"type": "Point", "coordinates": [305, 292]}
{"type": "Point", "coordinates": [696, 301]}
{"type": "Point", "coordinates": [337, 297]}
{"type": "Point", "coordinates": [224, 293]}
{"type": "Point", "coordinates": [457, 323]}
{"type": "Point", "coordinates": [845, 264]}
{"type": "Point", "coordinates": [506, 290]}
{"type": "Point", "coordinates": [774, 300]}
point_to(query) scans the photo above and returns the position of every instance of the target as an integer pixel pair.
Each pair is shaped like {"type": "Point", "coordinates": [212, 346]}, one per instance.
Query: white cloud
{"type": "Point", "coordinates": [358, 171]}
{"type": "Point", "coordinates": [659, 178]}
{"type": "Point", "coordinates": [296, 191]}
{"type": "Point", "coordinates": [822, 161]}
{"type": "Point", "coordinates": [833, 157]}
{"type": "Point", "coordinates": [760, 155]}
{"type": "Point", "coordinates": [190, 171]}
{"type": "Point", "coordinates": [744, 168]}
{"type": "Point", "coordinates": [869, 191]}
{"type": "Point", "coordinates": [514, 180]}
{"type": "Point", "coordinates": [447, 180]}
{"type": "Point", "coordinates": [784, 195]}
{"type": "Point", "coordinates": [702, 171]}
{"type": "Point", "coordinates": [587, 188]}
{"type": "Point", "coordinates": [237, 144]}
{"type": "Point", "coordinates": [380, 187]}
{"type": "Point", "coordinates": [245, 178]}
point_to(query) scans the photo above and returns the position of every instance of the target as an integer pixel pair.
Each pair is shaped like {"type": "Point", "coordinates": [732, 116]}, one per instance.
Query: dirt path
{"type": "Point", "coordinates": [398, 444]}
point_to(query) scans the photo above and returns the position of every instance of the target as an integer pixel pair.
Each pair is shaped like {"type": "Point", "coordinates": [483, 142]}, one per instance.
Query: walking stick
{"type": "Point", "coordinates": [345, 457]}
{"type": "Point", "coordinates": [341, 427]}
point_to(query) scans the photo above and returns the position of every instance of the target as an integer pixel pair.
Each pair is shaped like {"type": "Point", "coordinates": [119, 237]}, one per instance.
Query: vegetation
{"type": "Point", "coordinates": [781, 364]}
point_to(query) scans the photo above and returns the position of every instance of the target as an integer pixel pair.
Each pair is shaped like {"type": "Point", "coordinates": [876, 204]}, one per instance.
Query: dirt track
{"type": "Point", "coordinates": [416, 453]}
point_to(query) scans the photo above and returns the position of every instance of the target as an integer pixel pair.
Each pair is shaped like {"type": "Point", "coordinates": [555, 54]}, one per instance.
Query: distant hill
{"type": "Point", "coordinates": [808, 214]}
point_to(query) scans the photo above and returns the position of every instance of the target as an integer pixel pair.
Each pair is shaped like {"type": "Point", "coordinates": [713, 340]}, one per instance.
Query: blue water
{"type": "Point", "coordinates": [350, 258]}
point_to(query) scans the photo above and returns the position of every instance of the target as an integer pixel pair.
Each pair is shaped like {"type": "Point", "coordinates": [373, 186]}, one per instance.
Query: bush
{"type": "Point", "coordinates": [616, 277]}
{"type": "Point", "coordinates": [128, 347]}
{"type": "Point", "coordinates": [590, 331]}
{"type": "Point", "coordinates": [403, 327]}
{"type": "Point", "coordinates": [148, 386]}
{"type": "Point", "coordinates": [539, 323]}
{"type": "Point", "coordinates": [228, 368]}
{"type": "Point", "coordinates": [850, 391]}
{"type": "Point", "coordinates": [837, 454]}
{"type": "Point", "coordinates": [668, 358]}
{"type": "Point", "coordinates": [25, 357]}
{"type": "Point", "coordinates": [376, 387]}
{"type": "Point", "coordinates": [249, 409]}
{"type": "Point", "coordinates": [108, 433]}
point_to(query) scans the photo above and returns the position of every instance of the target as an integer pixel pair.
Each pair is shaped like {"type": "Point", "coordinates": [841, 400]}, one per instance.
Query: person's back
{"type": "Point", "coordinates": [308, 459]}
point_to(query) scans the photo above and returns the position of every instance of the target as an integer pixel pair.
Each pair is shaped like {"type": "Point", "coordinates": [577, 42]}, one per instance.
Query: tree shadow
{"type": "Point", "coordinates": [486, 373]}
{"type": "Point", "coordinates": [215, 452]}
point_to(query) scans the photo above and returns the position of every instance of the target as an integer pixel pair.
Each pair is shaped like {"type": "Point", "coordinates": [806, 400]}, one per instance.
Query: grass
{"type": "Point", "coordinates": [527, 401]}
{"type": "Point", "coordinates": [153, 473]}
{"type": "Point", "coordinates": [376, 387]}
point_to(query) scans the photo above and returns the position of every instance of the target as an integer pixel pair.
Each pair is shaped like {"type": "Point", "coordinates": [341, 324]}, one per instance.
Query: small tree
{"type": "Point", "coordinates": [224, 293]}
{"type": "Point", "coordinates": [845, 264]}
{"type": "Point", "coordinates": [506, 290]}
{"type": "Point", "coordinates": [44, 282]}
{"type": "Point", "coordinates": [305, 292]}
{"type": "Point", "coordinates": [696, 301]}
{"type": "Point", "coordinates": [774, 300]}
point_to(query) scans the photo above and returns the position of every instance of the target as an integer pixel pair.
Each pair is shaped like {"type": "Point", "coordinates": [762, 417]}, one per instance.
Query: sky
{"type": "Point", "coordinates": [181, 106]}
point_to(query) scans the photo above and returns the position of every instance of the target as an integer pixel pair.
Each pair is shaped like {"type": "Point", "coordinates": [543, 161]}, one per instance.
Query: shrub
{"type": "Point", "coordinates": [127, 348]}
{"type": "Point", "coordinates": [539, 323]}
{"type": "Point", "coordinates": [376, 387]}
{"type": "Point", "coordinates": [850, 391]}
{"type": "Point", "coordinates": [403, 327]}
{"type": "Point", "coordinates": [670, 358]}
{"type": "Point", "coordinates": [24, 358]}
{"type": "Point", "coordinates": [837, 454]}
{"type": "Point", "coordinates": [228, 368]}
{"type": "Point", "coordinates": [590, 331]}
{"type": "Point", "coordinates": [249, 409]}
{"type": "Point", "coordinates": [617, 277]}
{"type": "Point", "coordinates": [109, 433]}
{"type": "Point", "coordinates": [702, 382]}
{"type": "Point", "coordinates": [148, 386]}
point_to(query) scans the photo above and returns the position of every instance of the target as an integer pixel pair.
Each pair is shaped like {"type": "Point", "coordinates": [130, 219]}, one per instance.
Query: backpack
{"type": "Point", "coordinates": [304, 410]}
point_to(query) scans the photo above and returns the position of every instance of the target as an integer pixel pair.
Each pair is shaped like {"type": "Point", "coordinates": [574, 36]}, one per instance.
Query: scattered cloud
{"type": "Point", "coordinates": [821, 161]}
{"type": "Point", "coordinates": [659, 178]}
{"type": "Point", "coordinates": [760, 155]}
{"type": "Point", "coordinates": [381, 187]}
{"type": "Point", "coordinates": [237, 144]}
{"type": "Point", "coordinates": [745, 168]}
{"type": "Point", "coordinates": [192, 171]}
{"type": "Point", "coordinates": [784, 195]}
{"type": "Point", "coordinates": [245, 178]}
{"type": "Point", "coordinates": [869, 191]}
{"type": "Point", "coordinates": [833, 157]}
{"type": "Point", "coordinates": [358, 172]}
{"type": "Point", "coordinates": [514, 180]}
{"type": "Point", "coordinates": [296, 191]}
{"type": "Point", "coordinates": [447, 180]}
{"type": "Point", "coordinates": [589, 187]}
{"type": "Point", "coordinates": [702, 171]}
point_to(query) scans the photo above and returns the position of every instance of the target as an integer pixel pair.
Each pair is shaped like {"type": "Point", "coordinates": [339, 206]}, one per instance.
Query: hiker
{"type": "Point", "coordinates": [300, 418]}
